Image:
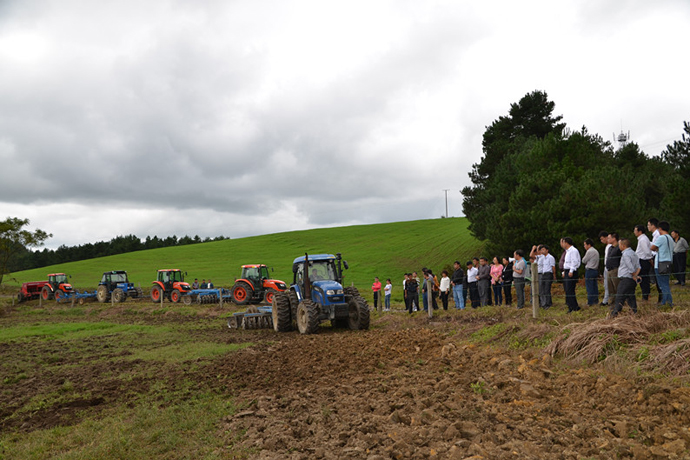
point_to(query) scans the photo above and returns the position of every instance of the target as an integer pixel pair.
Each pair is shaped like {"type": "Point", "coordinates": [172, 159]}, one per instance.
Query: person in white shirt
{"type": "Point", "coordinates": [604, 238]}
{"type": "Point", "coordinates": [387, 295]}
{"type": "Point", "coordinates": [570, 267]}
{"type": "Point", "coordinates": [653, 227]}
{"type": "Point", "coordinates": [546, 278]}
{"type": "Point", "coordinates": [472, 284]}
{"type": "Point", "coordinates": [444, 289]}
{"type": "Point", "coordinates": [645, 256]}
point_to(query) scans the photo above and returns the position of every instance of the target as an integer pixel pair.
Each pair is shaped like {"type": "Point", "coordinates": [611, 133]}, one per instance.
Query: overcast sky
{"type": "Point", "coordinates": [250, 117]}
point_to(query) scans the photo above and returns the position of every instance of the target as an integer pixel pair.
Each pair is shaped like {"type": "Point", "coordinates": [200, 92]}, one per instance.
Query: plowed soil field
{"type": "Point", "coordinates": [409, 388]}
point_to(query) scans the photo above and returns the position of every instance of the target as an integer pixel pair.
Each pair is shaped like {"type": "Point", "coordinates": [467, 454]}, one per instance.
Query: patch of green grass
{"type": "Point", "coordinates": [188, 429]}
{"type": "Point", "coordinates": [186, 351]}
{"type": "Point", "coordinates": [488, 332]}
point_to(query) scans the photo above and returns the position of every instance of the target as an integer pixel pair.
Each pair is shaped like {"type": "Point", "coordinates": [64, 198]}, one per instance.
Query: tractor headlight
{"type": "Point", "coordinates": [334, 292]}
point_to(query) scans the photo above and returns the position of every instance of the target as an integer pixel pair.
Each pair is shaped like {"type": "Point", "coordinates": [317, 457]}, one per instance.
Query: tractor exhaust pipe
{"type": "Point", "coordinates": [307, 282]}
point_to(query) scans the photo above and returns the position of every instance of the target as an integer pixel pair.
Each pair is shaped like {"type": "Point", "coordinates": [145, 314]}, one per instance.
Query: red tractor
{"type": "Point", "coordinates": [56, 287]}
{"type": "Point", "coordinates": [255, 285]}
{"type": "Point", "coordinates": [170, 284]}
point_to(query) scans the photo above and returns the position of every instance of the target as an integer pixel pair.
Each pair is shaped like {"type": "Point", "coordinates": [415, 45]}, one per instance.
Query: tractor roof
{"type": "Point", "coordinates": [315, 257]}
{"type": "Point", "coordinates": [170, 270]}
{"type": "Point", "coordinates": [115, 272]}
{"type": "Point", "coordinates": [56, 274]}
{"type": "Point", "coordinates": [254, 266]}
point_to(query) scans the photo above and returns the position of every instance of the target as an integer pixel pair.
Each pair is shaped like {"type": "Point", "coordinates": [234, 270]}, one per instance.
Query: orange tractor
{"type": "Point", "coordinates": [255, 285]}
{"type": "Point", "coordinates": [170, 283]}
{"type": "Point", "coordinates": [56, 287]}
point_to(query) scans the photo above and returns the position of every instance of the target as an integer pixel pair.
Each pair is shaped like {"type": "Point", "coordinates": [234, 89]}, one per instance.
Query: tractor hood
{"type": "Point", "coordinates": [327, 285]}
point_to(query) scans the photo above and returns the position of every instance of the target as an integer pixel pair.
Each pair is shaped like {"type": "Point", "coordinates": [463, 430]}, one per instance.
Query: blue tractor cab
{"type": "Point", "coordinates": [317, 294]}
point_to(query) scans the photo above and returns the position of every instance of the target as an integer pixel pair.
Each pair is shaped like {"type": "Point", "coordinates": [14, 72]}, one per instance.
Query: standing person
{"type": "Point", "coordinates": [484, 281]}
{"type": "Point", "coordinates": [628, 273]}
{"type": "Point", "coordinates": [209, 285]}
{"type": "Point", "coordinates": [519, 268]}
{"type": "Point", "coordinates": [376, 287]}
{"type": "Point", "coordinates": [457, 283]}
{"type": "Point", "coordinates": [387, 290]}
{"type": "Point", "coordinates": [680, 254]}
{"type": "Point", "coordinates": [444, 289]}
{"type": "Point", "coordinates": [570, 266]}
{"type": "Point", "coordinates": [546, 278]}
{"type": "Point", "coordinates": [496, 274]}
{"type": "Point", "coordinates": [646, 258]}
{"type": "Point", "coordinates": [604, 238]}
{"type": "Point", "coordinates": [415, 299]}
{"type": "Point", "coordinates": [662, 262]}
{"type": "Point", "coordinates": [591, 263]}
{"type": "Point", "coordinates": [203, 284]}
{"type": "Point", "coordinates": [195, 284]}
{"type": "Point", "coordinates": [472, 285]}
{"type": "Point", "coordinates": [429, 275]}
{"type": "Point", "coordinates": [411, 293]}
{"type": "Point", "coordinates": [613, 260]}
{"type": "Point", "coordinates": [507, 280]}
{"type": "Point", "coordinates": [653, 227]}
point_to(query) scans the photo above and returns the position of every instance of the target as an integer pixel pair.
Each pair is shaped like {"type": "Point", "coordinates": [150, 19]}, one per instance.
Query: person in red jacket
{"type": "Point", "coordinates": [376, 287]}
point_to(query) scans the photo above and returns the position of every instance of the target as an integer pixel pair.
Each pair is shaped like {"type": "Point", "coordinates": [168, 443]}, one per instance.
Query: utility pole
{"type": "Point", "coordinates": [446, 191]}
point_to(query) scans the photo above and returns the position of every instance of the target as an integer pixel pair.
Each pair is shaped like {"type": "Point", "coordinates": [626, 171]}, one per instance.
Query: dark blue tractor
{"type": "Point", "coordinates": [116, 284]}
{"type": "Point", "coordinates": [316, 295]}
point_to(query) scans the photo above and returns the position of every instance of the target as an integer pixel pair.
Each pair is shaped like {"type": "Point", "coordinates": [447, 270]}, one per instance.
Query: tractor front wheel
{"type": "Point", "coordinates": [241, 293]}
{"type": "Point", "coordinates": [102, 294]}
{"type": "Point", "coordinates": [156, 294]}
{"type": "Point", "coordinates": [358, 313]}
{"type": "Point", "coordinates": [282, 319]}
{"type": "Point", "coordinates": [119, 295]}
{"type": "Point", "coordinates": [59, 295]}
{"type": "Point", "coordinates": [175, 296]}
{"type": "Point", "coordinates": [307, 317]}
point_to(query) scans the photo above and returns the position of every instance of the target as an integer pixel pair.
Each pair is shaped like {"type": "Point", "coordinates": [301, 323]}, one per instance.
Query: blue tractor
{"type": "Point", "coordinates": [316, 295]}
{"type": "Point", "coordinates": [116, 284]}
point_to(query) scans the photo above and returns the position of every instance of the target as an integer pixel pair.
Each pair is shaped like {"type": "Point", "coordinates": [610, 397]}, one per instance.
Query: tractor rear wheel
{"type": "Point", "coordinates": [242, 293]}
{"type": "Point", "coordinates": [358, 312]}
{"type": "Point", "coordinates": [307, 317]}
{"type": "Point", "coordinates": [156, 294]}
{"type": "Point", "coordinates": [270, 294]}
{"type": "Point", "coordinates": [46, 293]}
{"type": "Point", "coordinates": [351, 291]}
{"type": "Point", "coordinates": [119, 295]}
{"type": "Point", "coordinates": [282, 317]}
{"type": "Point", "coordinates": [102, 294]}
{"type": "Point", "coordinates": [175, 296]}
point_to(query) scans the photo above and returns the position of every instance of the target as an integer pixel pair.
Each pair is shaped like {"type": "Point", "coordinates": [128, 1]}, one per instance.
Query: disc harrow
{"type": "Point", "coordinates": [253, 318]}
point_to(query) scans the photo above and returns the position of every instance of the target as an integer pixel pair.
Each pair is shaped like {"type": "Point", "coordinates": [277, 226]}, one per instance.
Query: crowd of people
{"type": "Point", "coordinates": [623, 268]}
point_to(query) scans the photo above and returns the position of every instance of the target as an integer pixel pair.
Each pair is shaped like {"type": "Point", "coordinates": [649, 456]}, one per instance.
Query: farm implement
{"type": "Point", "coordinates": [79, 297]}
{"type": "Point", "coordinates": [254, 318]}
{"type": "Point", "coordinates": [206, 296]}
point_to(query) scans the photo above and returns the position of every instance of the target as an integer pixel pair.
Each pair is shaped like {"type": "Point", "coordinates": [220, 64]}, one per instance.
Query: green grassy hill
{"type": "Point", "coordinates": [383, 250]}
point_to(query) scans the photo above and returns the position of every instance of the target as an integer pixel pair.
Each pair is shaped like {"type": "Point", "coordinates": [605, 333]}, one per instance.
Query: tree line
{"type": "Point", "coordinates": [539, 181]}
{"type": "Point", "coordinates": [26, 259]}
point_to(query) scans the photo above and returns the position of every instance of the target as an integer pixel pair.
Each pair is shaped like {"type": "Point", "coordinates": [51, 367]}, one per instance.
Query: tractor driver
{"type": "Point", "coordinates": [315, 276]}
